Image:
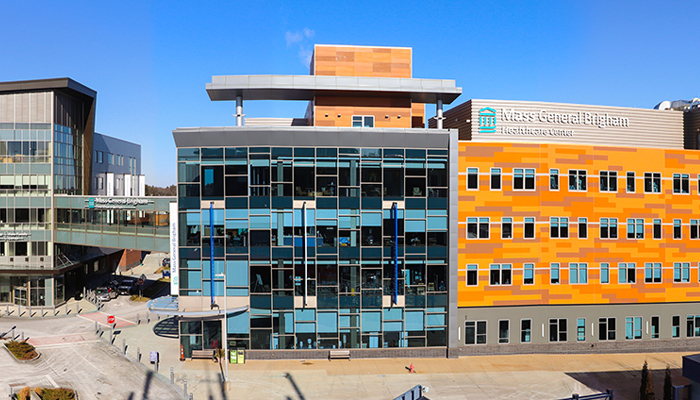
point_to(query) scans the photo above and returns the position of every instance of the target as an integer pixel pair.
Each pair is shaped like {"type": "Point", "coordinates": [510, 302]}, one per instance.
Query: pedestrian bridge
{"type": "Point", "coordinates": [138, 223]}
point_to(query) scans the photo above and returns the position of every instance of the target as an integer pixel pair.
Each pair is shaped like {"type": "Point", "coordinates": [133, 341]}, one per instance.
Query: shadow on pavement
{"type": "Point", "coordinates": [166, 328]}
{"type": "Point", "coordinates": [294, 385]}
{"type": "Point", "coordinates": [625, 384]}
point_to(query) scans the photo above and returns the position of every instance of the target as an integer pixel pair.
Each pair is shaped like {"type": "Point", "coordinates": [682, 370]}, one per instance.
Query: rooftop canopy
{"type": "Point", "coordinates": [306, 87]}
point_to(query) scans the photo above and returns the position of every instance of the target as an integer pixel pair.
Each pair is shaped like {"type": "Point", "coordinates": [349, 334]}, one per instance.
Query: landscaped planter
{"type": "Point", "coordinates": [46, 394]}
{"type": "Point", "coordinates": [21, 351]}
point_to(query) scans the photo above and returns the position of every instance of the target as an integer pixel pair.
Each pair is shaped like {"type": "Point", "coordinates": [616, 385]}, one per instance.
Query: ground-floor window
{"type": "Point", "coordinates": [503, 331]}
{"type": "Point", "coordinates": [693, 326]}
{"type": "Point", "coordinates": [633, 328]}
{"type": "Point", "coordinates": [676, 327]}
{"type": "Point", "coordinates": [557, 330]}
{"type": "Point", "coordinates": [581, 329]}
{"type": "Point", "coordinates": [606, 328]}
{"type": "Point", "coordinates": [655, 327]}
{"type": "Point", "coordinates": [474, 332]}
{"type": "Point", "coordinates": [526, 330]}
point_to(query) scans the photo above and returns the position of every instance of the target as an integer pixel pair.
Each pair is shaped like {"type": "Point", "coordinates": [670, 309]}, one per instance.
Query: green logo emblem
{"type": "Point", "coordinates": [487, 120]}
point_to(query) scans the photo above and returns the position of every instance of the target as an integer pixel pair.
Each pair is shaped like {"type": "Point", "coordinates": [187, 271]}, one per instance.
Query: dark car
{"type": "Point", "coordinates": [126, 287]}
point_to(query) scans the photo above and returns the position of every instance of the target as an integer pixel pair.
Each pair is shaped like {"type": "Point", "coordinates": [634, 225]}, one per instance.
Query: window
{"type": "Point", "coordinates": [681, 183]}
{"type": "Point", "coordinates": [608, 228]}
{"type": "Point", "coordinates": [606, 328]}
{"type": "Point", "coordinates": [477, 228]}
{"type": "Point", "coordinates": [529, 228]}
{"type": "Point", "coordinates": [694, 231]}
{"type": "Point", "coordinates": [506, 228]}
{"type": "Point", "coordinates": [692, 324]}
{"type": "Point", "coordinates": [495, 179]}
{"type": "Point", "coordinates": [635, 228]}
{"type": "Point", "coordinates": [652, 272]}
{"type": "Point", "coordinates": [655, 327]}
{"type": "Point", "coordinates": [657, 229]}
{"type": "Point", "coordinates": [472, 178]}
{"type": "Point", "coordinates": [528, 274]}
{"type": "Point", "coordinates": [677, 233]}
{"type": "Point", "coordinates": [503, 331]}
{"type": "Point", "coordinates": [604, 273]}
{"type": "Point", "coordinates": [558, 227]}
{"type": "Point", "coordinates": [626, 272]}
{"type": "Point", "coordinates": [553, 179]}
{"type": "Point", "coordinates": [577, 180]}
{"type": "Point", "coordinates": [526, 331]}
{"type": "Point", "coordinates": [554, 273]}
{"type": "Point", "coordinates": [500, 274]}
{"type": "Point", "coordinates": [676, 326]}
{"type": "Point", "coordinates": [474, 332]}
{"type": "Point", "coordinates": [652, 182]}
{"type": "Point", "coordinates": [583, 228]}
{"type": "Point", "coordinates": [633, 328]}
{"type": "Point", "coordinates": [578, 273]}
{"type": "Point", "coordinates": [608, 181]}
{"type": "Point", "coordinates": [581, 329]}
{"type": "Point", "coordinates": [681, 272]}
{"type": "Point", "coordinates": [523, 179]}
{"type": "Point", "coordinates": [557, 330]}
{"type": "Point", "coordinates": [363, 121]}
{"type": "Point", "coordinates": [472, 275]}
{"type": "Point", "coordinates": [631, 182]}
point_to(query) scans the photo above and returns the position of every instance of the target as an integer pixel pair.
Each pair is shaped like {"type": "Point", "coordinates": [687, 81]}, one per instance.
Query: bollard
{"type": "Point", "coordinates": [138, 319]}
{"type": "Point", "coordinates": [13, 333]}
{"type": "Point", "coordinates": [111, 336]}
{"type": "Point", "coordinates": [66, 308]}
{"type": "Point", "coordinates": [156, 365]}
{"type": "Point", "coordinates": [184, 385]}
{"type": "Point", "coordinates": [124, 345]}
{"type": "Point", "coordinates": [7, 309]}
{"type": "Point", "coordinates": [191, 396]}
{"type": "Point", "coordinates": [53, 310]}
{"type": "Point", "coordinates": [42, 311]}
{"type": "Point", "coordinates": [18, 311]}
{"type": "Point", "coordinates": [77, 309]}
{"type": "Point", "coordinates": [172, 376]}
{"type": "Point", "coordinates": [148, 318]}
{"type": "Point", "coordinates": [138, 354]}
{"type": "Point", "coordinates": [30, 310]}
{"type": "Point", "coordinates": [96, 330]}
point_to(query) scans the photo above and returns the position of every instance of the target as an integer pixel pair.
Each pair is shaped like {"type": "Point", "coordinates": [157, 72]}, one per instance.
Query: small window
{"type": "Point", "coordinates": [557, 330]}
{"type": "Point", "coordinates": [523, 179]}
{"type": "Point", "coordinates": [677, 232]}
{"type": "Point", "coordinates": [526, 331]}
{"type": "Point", "coordinates": [506, 228]}
{"type": "Point", "coordinates": [631, 187]}
{"type": "Point", "coordinates": [500, 274]}
{"type": "Point", "coordinates": [635, 228]}
{"type": "Point", "coordinates": [681, 272]}
{"type": "Point", "coordinates": [472, 275]}
{"type": "Point", "coordinates": [652, 272]}
{"type": "Point", "coordinates": [606, 329]}
{"type": "Point", "coordinates": [655, 327]}
{"type": "Point", "coordinates": [528, 274]}
{"type": "Point", "coordinates": [694, 229]}
{"type": "Point", "coordinates": [633, 328]}
{"type": "Point", "coordinates": [363, 121]}
{"type": "Point", "coordinates": [558, 228]}
{"type": "Point", "coordinates": [529, 228]}
{"type": "Point", "coordinates": [604, 273]}
{"type": "Point", "coordinates": [554, 273]}
{"type": "Point", "coordinates": [608, 181]}
{"type": "Point", "coordinates": [693, 326]}
{"type": "Point", "coordinates": [652, 182]}
{"type": "Point", "coordinates": [657, 229]}
{"type": "Point", "coordinates": [578, 273]}
{"type": "Point", "coordinates": [626, 273]}
{"type": "Point", "coordinates": [477, 228]}
{"type": "Point", "coordinates": [474, 332]}
{"type": "Point", "coordinates": [581, 330]}
{"type": "Point", "coordinates": [583, 228]}
{"type": "Point", "coordinates": [553, 179]}
{"type": "Point", "coordinates": [577, 180]}
{"type": "Point", "coordinates": [681, 183]}
{"type": "Point", "coordinates": [608, 228]}
{"type": "Point", "coordinates": [676, 326]}
{"type": "Point", "coordinates": [503, 331]}
{"type": "Point", "coordinates": [472, 178]}
{"type": "Point", "coordinates": [495, 179]}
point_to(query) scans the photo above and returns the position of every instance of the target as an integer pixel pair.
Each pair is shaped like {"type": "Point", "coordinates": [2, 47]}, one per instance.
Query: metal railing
{"type": "Point", "coordinates": [608, 395]}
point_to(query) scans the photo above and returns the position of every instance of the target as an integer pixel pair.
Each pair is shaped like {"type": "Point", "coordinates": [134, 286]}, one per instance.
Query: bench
{"type": "Point", "coordinates": [339, 355]}
{"type": "Point", "coordinates": [208, 354]}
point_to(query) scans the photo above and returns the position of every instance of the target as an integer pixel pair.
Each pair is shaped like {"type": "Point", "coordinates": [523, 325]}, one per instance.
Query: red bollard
{"type": "Point", "coordinates": [410, 369]}
{"type": "Point", "coordinates": [182, 354]}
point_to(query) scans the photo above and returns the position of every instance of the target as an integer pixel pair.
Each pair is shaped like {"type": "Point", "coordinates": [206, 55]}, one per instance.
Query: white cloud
{"type": "Point", "coordinates": [293, 37]}
{"type": "Point", "coordinates": [309, 32]}
{"type": "Point", "coordinates": [305, 56]}
{"type": "Point", "coordinates": [298, 38]}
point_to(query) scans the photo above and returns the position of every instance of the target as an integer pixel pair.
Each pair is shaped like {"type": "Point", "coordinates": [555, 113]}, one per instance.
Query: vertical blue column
{"type": "Point", "coordinates": [211, 250]}
{"type": "Point", "coordinates": [395, 250]}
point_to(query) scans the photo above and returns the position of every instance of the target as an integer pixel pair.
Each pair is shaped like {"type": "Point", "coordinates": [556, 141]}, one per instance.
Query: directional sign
{"type": "Point", "coordinates": [111, 319]}
{"type": "Point", "coordinates": [142, 279]}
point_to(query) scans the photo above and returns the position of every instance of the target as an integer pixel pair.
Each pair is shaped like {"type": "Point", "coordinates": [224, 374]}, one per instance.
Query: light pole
{"type": "Point", "coordinates": [225, 335]}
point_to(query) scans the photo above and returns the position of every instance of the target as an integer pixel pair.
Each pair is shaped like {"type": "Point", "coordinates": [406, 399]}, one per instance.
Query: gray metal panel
{"type": "Point", "coordinates": [306, 87]}
{"type": "Point", "coordinates": [311, 136]}
{"type": "Point", "coordinates": [453, 255]}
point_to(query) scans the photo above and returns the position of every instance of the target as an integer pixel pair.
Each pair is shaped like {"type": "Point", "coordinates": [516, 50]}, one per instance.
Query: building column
{"type": "Point", "coordinates": [239, 111]}
{"type": "Point", "coordinates": [438, 113]}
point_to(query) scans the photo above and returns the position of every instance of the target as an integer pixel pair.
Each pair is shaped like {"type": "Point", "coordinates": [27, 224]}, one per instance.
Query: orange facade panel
{"type": "Point", "coordinates": [338, 111]}
{"type": "Point", "coordinates": [394, 62]}
{"type": "Point", "coordinates": [610, 248]}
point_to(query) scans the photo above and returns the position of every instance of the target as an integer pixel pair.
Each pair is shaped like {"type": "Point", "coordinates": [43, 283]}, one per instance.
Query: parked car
{"type": "Point", "coordinates": [166, 262]}
{"type": "Point", "coordinates": [127, 286]}
{"type": "Point", "coordinates": [102, 293]}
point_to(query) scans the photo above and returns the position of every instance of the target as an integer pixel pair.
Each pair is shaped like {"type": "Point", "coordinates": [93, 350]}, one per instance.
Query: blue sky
{"type": "Point", "coordinates": [150, 61]}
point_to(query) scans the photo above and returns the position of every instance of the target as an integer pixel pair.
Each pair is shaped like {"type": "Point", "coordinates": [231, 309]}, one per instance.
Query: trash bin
{"type": "Point", "coordinates": [241, 355]}
{"type": "Point", "coordinates": [233, 356]}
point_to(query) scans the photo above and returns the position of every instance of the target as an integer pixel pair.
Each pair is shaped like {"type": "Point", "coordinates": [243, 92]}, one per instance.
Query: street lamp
{"type": "Point", "coordinates": [225, 335]}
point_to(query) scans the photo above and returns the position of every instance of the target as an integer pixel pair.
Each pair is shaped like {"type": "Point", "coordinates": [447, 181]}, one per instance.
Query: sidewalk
{"type": "Point", "coordinates": [477, 377]}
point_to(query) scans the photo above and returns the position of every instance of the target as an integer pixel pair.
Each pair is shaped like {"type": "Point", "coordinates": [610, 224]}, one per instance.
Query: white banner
{"type": "Point", "coordinates": [174, 254]}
